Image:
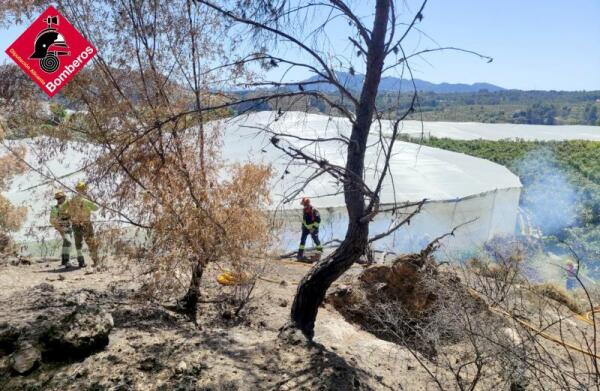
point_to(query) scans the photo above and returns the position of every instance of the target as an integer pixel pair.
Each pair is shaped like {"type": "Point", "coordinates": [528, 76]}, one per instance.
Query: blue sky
{"type": "Point", "coordinates": [536, 44]}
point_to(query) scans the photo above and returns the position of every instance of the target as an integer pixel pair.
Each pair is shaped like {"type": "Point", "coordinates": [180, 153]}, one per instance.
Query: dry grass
{"type": "Point", "coordinates": [487, 269]}
{"type": "Point", "coordinates": [558, 294]}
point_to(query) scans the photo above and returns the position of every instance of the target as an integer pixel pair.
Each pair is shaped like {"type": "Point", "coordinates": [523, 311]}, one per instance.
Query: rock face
{"type": "Point", "coordinates": [25, 359]}
{"type": "Point", "coordinates": [79, 334]}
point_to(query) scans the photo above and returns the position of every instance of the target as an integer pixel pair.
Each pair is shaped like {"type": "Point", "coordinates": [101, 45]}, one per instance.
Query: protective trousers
{"type": "Point", "coordinates": [85, 231]}
{"type": "Point", "coordinates": [315, 237]}
{"type": "Point", "coordinates": [66, 246]}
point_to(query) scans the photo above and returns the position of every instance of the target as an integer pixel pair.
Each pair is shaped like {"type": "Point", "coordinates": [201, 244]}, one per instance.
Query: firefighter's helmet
{"type": "Point", "coordinates": [81, 186]}
{"type": "Point", "coordinates": [47, 39]}
{"type": "Point", "coordinates": [49, 44]}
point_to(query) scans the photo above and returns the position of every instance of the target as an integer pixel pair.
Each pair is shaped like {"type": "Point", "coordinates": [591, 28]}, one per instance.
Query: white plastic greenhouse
{"type": "Point", "coordinates": [459, 188]}
{"type": "Point", "coordinates": [477, 130]}
{"type": "Point", "coordinates": [34, 191]}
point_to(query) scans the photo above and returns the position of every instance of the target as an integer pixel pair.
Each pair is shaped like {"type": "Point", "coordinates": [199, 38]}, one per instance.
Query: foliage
{"type": "Point", "coordinates": [57, 113]}
{"type": "Point", "coordinates": [222, 221]}
{"type": "Point", "coordinates": [538, 113]}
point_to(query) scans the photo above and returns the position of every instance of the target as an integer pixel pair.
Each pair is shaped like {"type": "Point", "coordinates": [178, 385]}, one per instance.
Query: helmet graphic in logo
{"type": "Point", "coordinates": [49, 45]}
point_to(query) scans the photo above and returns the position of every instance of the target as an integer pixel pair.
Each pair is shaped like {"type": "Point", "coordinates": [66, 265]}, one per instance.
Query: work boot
{"type": "Point", "coordinates": [81, 261]}
{"type": "Point", "coordinates": [65, 261]}
{"type": "Point", "coordinates": [300, 255]}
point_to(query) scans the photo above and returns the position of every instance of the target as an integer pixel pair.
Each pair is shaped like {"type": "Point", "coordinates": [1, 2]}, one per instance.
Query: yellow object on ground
{"type": "Point", "coordinates": [229, 278]}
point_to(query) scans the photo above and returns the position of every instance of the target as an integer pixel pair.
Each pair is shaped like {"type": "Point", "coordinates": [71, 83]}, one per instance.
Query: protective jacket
{"type": "Point", "coordinates": [59, 219]}
{"type": "Point", "coordinates": [79, 209]}
{"type": "Point", "coordinates": [311, 218]}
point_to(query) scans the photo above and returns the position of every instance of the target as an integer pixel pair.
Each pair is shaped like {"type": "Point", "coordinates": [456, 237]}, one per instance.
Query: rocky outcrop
{"type": "Point", "coordinates": [79, 334]}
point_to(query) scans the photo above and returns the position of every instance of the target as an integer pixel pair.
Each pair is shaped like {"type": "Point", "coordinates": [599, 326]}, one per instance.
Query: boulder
{"type": "Point", "coordinates": [25, 359]}
{"type": "Point", "coordinates": [79, 334]}
{"type": "Point", "coordinates": [9, 335]}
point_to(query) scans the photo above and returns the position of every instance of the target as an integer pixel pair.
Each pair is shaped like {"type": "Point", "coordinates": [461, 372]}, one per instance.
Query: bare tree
{"type": "Point", "coordinates": [377, 46]}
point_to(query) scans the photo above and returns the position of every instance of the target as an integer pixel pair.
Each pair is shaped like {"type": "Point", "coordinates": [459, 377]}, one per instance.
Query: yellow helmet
{"type": "Point", "coordinates": [59, 194]}
{"type": "Point", "coordinates": [81, 186]}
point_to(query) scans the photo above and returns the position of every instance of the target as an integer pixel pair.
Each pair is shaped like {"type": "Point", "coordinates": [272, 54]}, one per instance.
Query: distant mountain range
{"type": "Point", "coordinates": [388, 83]}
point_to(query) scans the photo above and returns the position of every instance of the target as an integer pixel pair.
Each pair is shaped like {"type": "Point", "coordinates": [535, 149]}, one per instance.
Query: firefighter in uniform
{"type": "Point", "coordinates": [61, 221]}
{"type": "Point", "coordinates": [571, 276]}
{"type": "Point", "coordinates": [310, 225]}
{"type": "Point", "coordinates": [80, 209]}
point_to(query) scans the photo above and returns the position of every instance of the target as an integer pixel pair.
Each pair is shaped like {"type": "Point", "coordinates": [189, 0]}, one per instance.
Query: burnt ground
{"type": "Point", "coordinates": [154, 348]}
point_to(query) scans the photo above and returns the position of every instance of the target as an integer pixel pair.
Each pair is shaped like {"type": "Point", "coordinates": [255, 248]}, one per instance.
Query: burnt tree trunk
{"type": "Point", "coordinates": [191, 298]}
{"type": "Point", "coordinates": [311, 290]}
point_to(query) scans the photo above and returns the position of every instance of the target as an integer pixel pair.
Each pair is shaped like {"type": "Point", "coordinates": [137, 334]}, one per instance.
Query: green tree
{"type": "Point", "coordinates": [590, 114]}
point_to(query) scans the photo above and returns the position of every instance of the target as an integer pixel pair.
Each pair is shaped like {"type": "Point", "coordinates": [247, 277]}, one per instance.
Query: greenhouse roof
{"type": "Point", "coordinates": [418, 172]}
{"type": "Point", "coordinates": [477, 130]}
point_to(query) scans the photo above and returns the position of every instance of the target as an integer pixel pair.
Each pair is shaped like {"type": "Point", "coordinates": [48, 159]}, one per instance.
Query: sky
{"type": "Point", "coordinates": [536, 44]}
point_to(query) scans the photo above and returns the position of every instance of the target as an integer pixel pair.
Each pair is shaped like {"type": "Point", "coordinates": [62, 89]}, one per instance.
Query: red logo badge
{"type": "Point", "coordinates": [51, 51]}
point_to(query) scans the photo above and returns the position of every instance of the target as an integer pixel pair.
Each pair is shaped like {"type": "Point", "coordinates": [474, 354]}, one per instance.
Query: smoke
{"type": "Point", "coordinates": [548, 196]}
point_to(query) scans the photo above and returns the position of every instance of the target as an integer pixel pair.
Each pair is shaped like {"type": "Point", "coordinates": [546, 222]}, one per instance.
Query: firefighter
{"type": "Point", "coordinates": [571, 276]}
{"type": "Point", "coordinates": [310, 225]}
{"type": "Point", "coordinates": [61, 221]}
{"type": "Point", "coordinates": [80, 209]}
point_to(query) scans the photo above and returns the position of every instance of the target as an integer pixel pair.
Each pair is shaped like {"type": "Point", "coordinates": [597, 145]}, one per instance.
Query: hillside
{"type": "Point", "coordinates": [390, 83]}
{"type": "Point", "coordinates": [481, 105]}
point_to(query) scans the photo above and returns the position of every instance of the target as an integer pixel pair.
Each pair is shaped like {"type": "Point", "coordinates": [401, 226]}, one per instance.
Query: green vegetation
{"type": "Point", "coordinates": [510, 106]}
{"type": "Point", "coordinates": [557, 176]}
